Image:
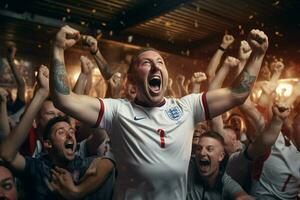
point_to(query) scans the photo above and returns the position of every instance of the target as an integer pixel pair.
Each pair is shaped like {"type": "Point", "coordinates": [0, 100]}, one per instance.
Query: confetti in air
{"type": "Point", "coordinates": [130, 38]}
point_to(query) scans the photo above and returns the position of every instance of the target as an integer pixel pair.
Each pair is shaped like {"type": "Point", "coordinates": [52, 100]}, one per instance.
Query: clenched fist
{"type": "Point", "coordinates": [66, 37]}
{"type": "Point", "coordinates": [198, 77]}
{"type": "Point", "coordinates": [258, 41]}
{"type": "Point", "coordinates": [86, 65]}
{"type": "Point", "coordinates": [91, 42]}
{"type": "Point", "coordinates": [227, 41]}
{"type": "Point", "coordinates": [281, 111]}
{"type": "Point", "coordinates": [231, 62]}
{"type": "Point", "coordinates": [43, 78]}
{"type": "Point", "coordinates": [277, 66]}
{"type": "Point", "coordinates": [245, 50]}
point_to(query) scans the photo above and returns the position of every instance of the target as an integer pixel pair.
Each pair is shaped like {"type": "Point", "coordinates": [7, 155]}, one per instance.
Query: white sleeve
{"type": "Point", "coordinates": [107, 113]}
{"type": "Point", "coordinates": [198, 105]}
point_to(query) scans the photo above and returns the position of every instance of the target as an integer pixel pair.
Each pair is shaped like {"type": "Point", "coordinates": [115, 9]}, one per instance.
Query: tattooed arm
{"type": "Point", "coordinates": [221, 100]}
{"type": "Point", "coordinates": [81, 107]}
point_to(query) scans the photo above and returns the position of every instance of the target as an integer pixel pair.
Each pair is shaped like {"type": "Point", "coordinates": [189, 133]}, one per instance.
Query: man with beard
{"type": "Point", "coordinates": [59, 174]}
{"type": "Point", "coordinates": [207, 178]}
{"type": "Point", "coordinates": [152, 136]}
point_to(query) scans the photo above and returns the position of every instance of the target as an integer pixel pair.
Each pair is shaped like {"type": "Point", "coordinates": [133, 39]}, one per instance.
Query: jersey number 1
{"type": "Point", "coordinates": [162, 137]}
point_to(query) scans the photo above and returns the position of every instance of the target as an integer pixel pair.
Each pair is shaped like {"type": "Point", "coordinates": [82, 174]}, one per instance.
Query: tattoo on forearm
{"type": "Point", "coordinates": [246, 83]}
{"type": "Point", "coordinates": [61, 83]}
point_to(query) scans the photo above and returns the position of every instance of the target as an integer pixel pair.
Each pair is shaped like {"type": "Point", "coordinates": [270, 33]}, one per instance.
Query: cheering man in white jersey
{"type": "Point", "coordinates": [151, 136]}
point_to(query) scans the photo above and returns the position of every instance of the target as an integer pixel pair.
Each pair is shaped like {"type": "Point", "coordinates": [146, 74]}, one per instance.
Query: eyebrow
{"type": "Point", "coordinates": [6, 179]}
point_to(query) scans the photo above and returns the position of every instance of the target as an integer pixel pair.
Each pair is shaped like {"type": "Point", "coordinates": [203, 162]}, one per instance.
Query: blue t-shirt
{"type": "Point", "coordinates": [37, 173]}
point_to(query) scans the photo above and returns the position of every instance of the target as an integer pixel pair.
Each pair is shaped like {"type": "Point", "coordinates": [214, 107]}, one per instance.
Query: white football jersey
{"type": "Point", "coordinates": [152, 145]}
{"type": "Point", "coordinates": [280, 175]}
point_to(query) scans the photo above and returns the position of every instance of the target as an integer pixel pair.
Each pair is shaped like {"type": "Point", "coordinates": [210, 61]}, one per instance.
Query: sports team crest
{"type": "Point", "coordinates": [174, 113]}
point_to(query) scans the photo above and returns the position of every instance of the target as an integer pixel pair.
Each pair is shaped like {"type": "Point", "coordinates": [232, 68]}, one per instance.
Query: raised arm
{"type": "Point", "coordinates": [86, 69]}
{"type": "Point", "coordinates": [277, 68]}
{"type": "Point", "coordinates": [81, 107]}
{"type": "Point", "coordinates": [196, 80]}
{"type": "Point", "coordinates": [9, 147]}
{"type": "Point", "coordinates": [170, 91]}
{"type": "Point", "coordinates": [114, 86]}
{"type": "Point", "coordinates": [182, 90]}
{"type": "Point", "coordinates": [4, 123]}
{"type": "Point", "coordinates": [215, 60]}
{"type": "Point", "coordinates": [229, 64]}
{"type": "Point", "coordinates": [244, 54]}
{"type": "Point", "coordinates": [254, 116]}
{"type": "Point", "coordinates": [102, 64]}
{"type": "Point", "coordinates": [221, 100]}
{"type": "Point", "coordinates": [20, 81]}
{"type": "Point", "coordinates": [268, 137]}
{"type": "Point", "coordinates": [216, 83]}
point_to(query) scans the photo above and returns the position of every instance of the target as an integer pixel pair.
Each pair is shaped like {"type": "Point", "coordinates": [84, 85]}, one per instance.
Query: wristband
{"type": "Point", "coordinates": [94, 53]}
{"type": "Point", "coordinates": [222, 49]}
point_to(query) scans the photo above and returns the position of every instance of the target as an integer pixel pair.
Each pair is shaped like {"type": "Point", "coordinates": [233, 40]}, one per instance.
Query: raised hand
{"type": "Point", "coordinates": [277, 66]}
{"type": "Point", "coordinates": [231, 62]}
{"type": "Point", "coordinates": [258, 41]}
{"type": "Point", "coordinates": [43, 78]}
{"type": "Point", "coordinates": [86, 65]}
{"type": "Point", "coordinates": [198, 77]}
{"type": "Point", "coordinates": [268, 87]}
{"type": "Point", "coordinates": [245, 50]}
{"type": "Point", "coordinates": [180, 79]}
{"type": "Point", "coordinates": [281, 111]}
{"type": "Point", "coordinates": [227, 41]}
{"type": "Point", "coordinates": [66, 37]}
{"type": "Point", "coordinates": [115, 80]}
{"type": "Point", "coordinates": [91, 42]}
{"type": "Point", "coordinates": [3, 95]}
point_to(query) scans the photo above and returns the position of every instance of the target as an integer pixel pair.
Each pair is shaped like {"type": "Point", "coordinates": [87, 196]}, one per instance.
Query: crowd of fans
{"type": "Point", "coordinates": [221, 135]}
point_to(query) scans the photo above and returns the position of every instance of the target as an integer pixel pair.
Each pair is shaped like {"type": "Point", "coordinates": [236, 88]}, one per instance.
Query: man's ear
{"type": "Point", "coordinates": [130, 78]}
{"type": "Point", "coordinates": [221, 156]}
{"type": "Point", "coordinates": [47, 144]}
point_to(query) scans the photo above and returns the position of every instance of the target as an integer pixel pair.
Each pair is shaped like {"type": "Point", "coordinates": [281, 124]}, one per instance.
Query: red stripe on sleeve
{"type": "Point", "coordinates": [205, 106]}
{"type": "Point", "coordinates": [101, 112]}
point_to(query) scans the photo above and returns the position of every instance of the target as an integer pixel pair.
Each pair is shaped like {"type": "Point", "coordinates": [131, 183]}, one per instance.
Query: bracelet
{"type": "Point", "coordinates": [94, 53]}
{"type": "Point", "coordinates": [222, 49]}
